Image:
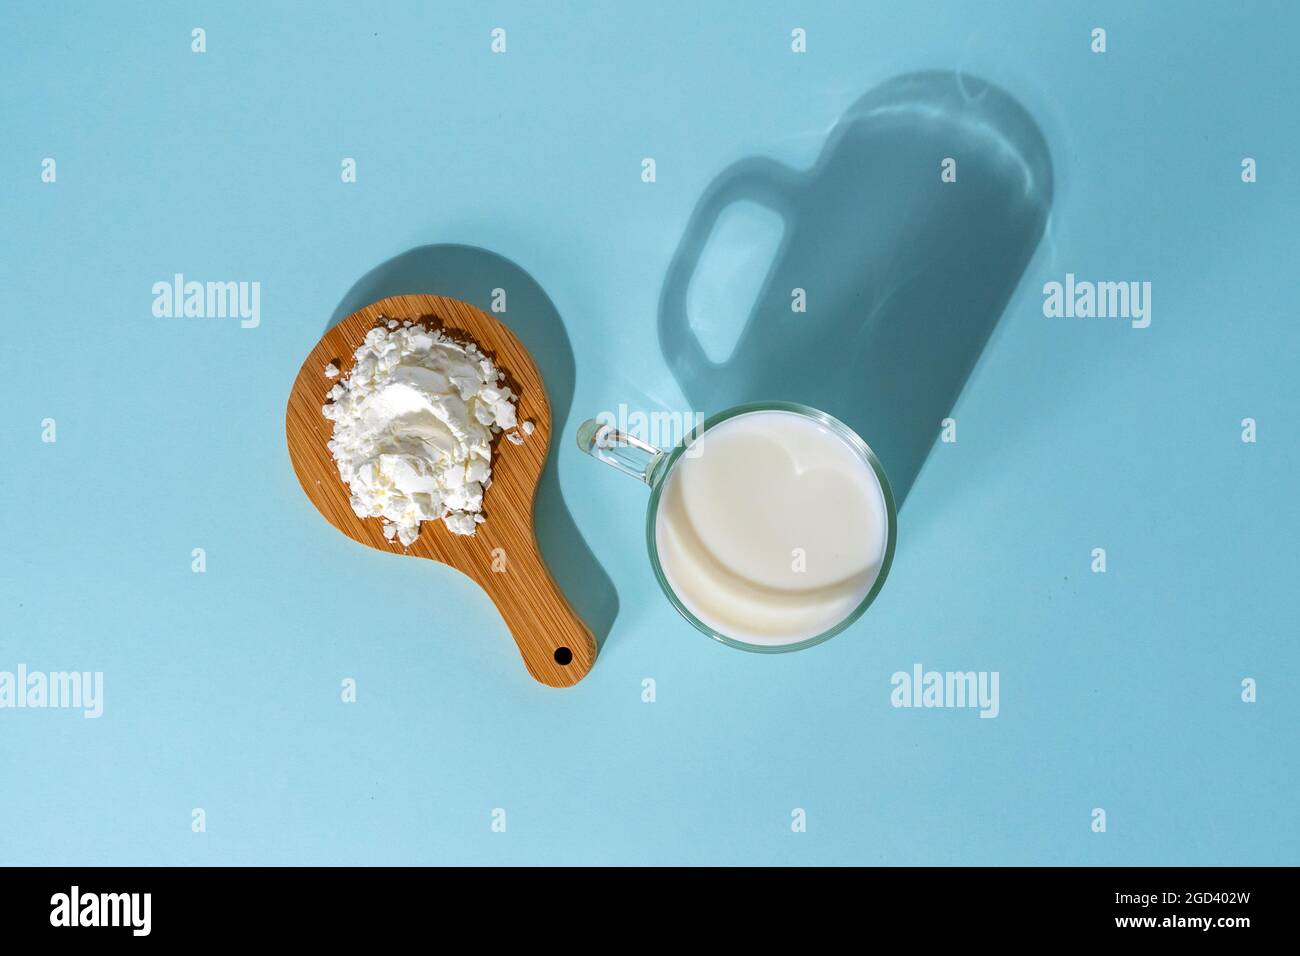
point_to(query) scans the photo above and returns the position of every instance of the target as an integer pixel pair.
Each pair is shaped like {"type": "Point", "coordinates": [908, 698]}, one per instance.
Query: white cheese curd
{"type": "Point", "coordinates": [413, 425]}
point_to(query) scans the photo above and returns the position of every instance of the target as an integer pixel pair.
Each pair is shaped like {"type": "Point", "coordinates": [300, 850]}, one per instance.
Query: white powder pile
{"type": "Point", "coordinates": [413, 423]}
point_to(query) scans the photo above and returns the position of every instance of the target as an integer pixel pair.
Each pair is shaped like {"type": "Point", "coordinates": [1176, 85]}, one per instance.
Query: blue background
{"type": "Point", "coordinates": [1118, 690]}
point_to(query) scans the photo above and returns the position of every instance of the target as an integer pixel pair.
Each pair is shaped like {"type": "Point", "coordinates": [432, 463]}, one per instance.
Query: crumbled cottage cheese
{"type": "Point", "coordinates": [413, 422]}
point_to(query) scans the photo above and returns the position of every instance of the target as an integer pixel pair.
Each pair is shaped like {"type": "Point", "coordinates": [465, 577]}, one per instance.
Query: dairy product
{"type": "Point", "coordinates": [773, 530]}
{"type": "Point", "coordinates": [413, 426]}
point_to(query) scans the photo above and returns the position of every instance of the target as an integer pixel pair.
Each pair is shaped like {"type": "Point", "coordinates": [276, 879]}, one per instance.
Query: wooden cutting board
{"type": "Point", "coordinates": [502, 555]}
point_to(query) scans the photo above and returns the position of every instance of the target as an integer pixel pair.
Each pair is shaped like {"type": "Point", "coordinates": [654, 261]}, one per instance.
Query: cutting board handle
{"type": "Point", "coordinates": [557, 647]}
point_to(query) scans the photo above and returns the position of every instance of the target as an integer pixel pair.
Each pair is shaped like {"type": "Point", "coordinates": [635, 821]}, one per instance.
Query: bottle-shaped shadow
{"type": "Point", "coordinates": [471, 274]}
{"type": "Point", "coordinates": [905, 273]}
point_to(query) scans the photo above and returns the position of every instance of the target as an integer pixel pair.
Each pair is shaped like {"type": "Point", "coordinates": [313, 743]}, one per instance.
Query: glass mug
{"type": "Point", "coordinates": [652, 465]}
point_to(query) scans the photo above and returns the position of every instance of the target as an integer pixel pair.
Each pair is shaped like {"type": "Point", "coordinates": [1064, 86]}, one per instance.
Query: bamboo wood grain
{"type": "Point", "coordinates": [537, 614]}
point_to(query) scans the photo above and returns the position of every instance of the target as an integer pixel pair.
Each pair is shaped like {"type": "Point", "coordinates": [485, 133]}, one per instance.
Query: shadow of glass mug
{"type": "Point", "coordinates": [887, 279]}
{"type": "Point", "coordinates": [654, 466]}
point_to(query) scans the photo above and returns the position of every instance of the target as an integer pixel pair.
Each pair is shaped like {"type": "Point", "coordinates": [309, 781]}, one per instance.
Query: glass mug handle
{"type": "Point", "coordinates": [627, 453]}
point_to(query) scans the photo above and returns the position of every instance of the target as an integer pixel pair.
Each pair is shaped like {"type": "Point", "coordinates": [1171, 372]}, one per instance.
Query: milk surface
{"type": "Point", "coordinates": [775, 532]}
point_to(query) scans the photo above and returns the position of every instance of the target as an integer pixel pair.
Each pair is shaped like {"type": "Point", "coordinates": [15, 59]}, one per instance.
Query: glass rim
{"type": "Point", "coordinates": [662, 469]}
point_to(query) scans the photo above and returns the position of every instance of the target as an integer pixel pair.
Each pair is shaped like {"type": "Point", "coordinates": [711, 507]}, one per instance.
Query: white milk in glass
{"type": "Point", "coordinates": [773, 529]}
